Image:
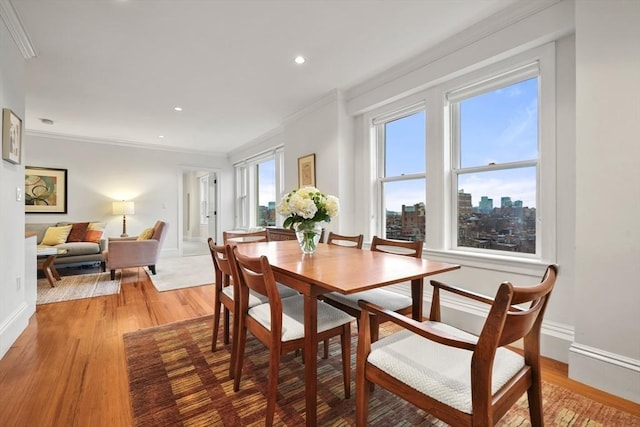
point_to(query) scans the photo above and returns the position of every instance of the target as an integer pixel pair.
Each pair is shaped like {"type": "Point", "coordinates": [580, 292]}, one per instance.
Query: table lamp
{"type": "Point", "coordinates": [123, 208]}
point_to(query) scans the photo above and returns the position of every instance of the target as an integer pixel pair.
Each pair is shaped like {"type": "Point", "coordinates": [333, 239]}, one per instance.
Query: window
{"type": "Point", "coordinates": [494, 162]}
{"type": "Point", "coordinates": [401, 174]}
{"type": "Point", "coordinates": [258, 183]}
{"type": "Point", "coordinates": [266, 185]}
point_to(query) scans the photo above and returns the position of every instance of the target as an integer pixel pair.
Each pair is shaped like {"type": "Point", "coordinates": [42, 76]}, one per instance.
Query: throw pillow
{"type": "Point", "coordinates": [56, 235]}
{"type": "Point", "coordinates": [78, 230]}
{"type": "Point", "coordinates": [94, 232]}
{"type": "Point", "coordinates": [146, 234]}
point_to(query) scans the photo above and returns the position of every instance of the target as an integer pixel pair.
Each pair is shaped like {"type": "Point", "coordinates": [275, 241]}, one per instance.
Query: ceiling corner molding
{"type": "Point", "coordinates": [15, 27]}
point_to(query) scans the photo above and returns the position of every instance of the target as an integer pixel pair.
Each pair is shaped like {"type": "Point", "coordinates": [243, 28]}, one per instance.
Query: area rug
{"type": "Point", "coordinates": [175, 379]}
{"type": "Point", "coordinates": [182, 272]}
{"type": "Point", "coordinates": [77, 287]}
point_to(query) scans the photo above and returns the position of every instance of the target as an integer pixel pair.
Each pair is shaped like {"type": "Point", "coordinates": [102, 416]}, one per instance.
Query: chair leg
{"type": "Point", "coordinates": [226, 325]}
{"type": "Point", "coordinates": [326, 349]}
{"type": "Point", "coordinates": [345, 341]}
{"type": "Point", "coordinates": [272, 386]}
{"type": "Point", "coordinates": [535, 404]}
{"type": "Point", "coordinates": [152, 268]}
{"type": "Point", "coordinates": [239, 356]}
{"type": "Point", "coordinates": [363, 389]}
{"type": "Point", "coordinates": [216, 322]}
{"type": "Point", "coordinates": [112, 274]}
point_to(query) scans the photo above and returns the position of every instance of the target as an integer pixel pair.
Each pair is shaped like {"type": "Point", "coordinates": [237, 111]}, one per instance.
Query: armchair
{"type": "Point", "coordinates": [126, 252]}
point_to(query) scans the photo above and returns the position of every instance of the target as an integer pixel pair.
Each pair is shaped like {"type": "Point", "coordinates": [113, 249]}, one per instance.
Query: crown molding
{"type": "Point", "coordinates": [15, 27]}
{"type": "Point", "coordinates": [121, 143]}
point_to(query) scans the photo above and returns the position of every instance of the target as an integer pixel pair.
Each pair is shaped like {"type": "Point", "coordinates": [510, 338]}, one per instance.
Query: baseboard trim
{"type": "Point", "coordinates": [613, 373]}
{"type": "Point", "coordinates": [13, 326]}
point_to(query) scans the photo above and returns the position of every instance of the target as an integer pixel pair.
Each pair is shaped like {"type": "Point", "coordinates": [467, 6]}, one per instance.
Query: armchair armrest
{"type": "Point", "coordinates": [426, 329]}
{"type": "Point", "coordinates": [435, 313]}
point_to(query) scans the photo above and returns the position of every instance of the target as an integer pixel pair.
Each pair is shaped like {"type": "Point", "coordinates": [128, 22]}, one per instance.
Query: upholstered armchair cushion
{"type": "Point", "coordinates": [127, 252]}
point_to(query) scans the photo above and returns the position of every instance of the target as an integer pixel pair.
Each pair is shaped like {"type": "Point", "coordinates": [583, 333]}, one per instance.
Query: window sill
{"type": "Point", "coordinates": [528, 266]}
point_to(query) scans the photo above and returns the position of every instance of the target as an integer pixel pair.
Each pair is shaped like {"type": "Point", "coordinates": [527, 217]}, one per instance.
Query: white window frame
{"type": "Point", "coordinates": [246, 186]}
{"type": "Point", "coordinates": [442, 194]}
{"type": "Point", "coordinates": [378, 127]}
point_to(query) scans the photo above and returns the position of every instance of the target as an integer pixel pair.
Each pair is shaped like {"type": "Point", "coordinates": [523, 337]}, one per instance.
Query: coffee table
{"type": "Point", "coordinates": [46, 257]}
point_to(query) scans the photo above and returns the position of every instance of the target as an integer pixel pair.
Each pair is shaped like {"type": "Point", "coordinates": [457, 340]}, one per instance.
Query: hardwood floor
{"type": "Point", "coordinates": [68, 366]}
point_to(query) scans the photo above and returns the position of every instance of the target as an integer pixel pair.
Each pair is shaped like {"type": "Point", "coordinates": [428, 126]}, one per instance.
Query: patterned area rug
{"type": "Point", "coordinates": [175, 379]}
{"type": "Point", "coordinates": [182, 272]}
{"type": "Point", "coordinates": [77, 287]}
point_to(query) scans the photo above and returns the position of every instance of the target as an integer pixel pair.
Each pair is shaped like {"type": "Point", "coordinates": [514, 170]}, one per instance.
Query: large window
{"type": "Point", "coordinates": [494, 162]}
{"type": "Point", "coordinates": [468, 165]}
{"type": "Point", "coordinates": [266, 185]}
{"type": "Point", "coordinates": [258, 182]}
{"type": "Point", "coordinates": [401, 174]}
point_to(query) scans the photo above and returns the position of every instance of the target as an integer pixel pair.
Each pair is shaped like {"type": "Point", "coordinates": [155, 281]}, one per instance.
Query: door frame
{"type": "Point", "coordinates": [181, 191]}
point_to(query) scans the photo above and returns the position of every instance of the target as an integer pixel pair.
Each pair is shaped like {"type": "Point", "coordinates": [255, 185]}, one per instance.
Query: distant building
{"type": "Point", "coordinates": [465, 206]}
{"type": "Point", "coordinates": [486, 204]}
{"type": "Point", "coordinates": [505, 202]}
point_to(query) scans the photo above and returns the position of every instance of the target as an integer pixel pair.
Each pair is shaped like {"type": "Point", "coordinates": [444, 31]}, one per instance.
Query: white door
{"type": "Point", "coordinates": [212, 213]}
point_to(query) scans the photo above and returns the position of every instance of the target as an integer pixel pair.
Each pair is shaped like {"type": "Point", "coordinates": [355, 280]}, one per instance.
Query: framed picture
{"type": "Point", "coordinates": [45, 190]}
{"type": "Point", "coordinates": [11, 136]}
{"type": "Point", "coordinates": [307, 171]}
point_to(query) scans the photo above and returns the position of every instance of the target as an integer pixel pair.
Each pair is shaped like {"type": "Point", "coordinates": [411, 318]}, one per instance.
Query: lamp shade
{"type": "Point", "coordinates": [123, 208]}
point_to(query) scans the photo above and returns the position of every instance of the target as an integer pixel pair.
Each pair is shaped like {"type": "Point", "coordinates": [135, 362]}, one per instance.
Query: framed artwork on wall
{"type": "Point", "coordinates": [307, 171]}
{"type": "Point", "coordinates": [45, 190]}
{"type": "Point", "coordinates": [11, 136]}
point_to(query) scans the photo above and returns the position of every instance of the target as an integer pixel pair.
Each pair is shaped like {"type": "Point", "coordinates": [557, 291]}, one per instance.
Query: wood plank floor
{"type": "Point", "coordinates": [68, 367]}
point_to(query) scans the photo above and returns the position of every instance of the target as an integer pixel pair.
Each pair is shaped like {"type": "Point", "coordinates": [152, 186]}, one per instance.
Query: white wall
{"type": "Point", "coordinates": [14, 309]}
{"type": "Point", "coordinates": [606, 352]}
{"type": "Point", "coordinates": [101, 173]}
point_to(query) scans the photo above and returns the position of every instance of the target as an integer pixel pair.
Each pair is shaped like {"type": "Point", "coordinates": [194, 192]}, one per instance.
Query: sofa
{"type": "Point", "coordinates": [138, 251]}
{"type": "Point", "coordinates": [83, 241]}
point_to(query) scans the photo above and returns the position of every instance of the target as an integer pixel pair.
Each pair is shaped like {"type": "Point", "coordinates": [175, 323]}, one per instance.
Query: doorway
{"type": "Point", "coordinates": [199, 219]}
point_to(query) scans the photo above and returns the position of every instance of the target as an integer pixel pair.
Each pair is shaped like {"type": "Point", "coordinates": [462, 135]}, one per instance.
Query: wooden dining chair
{"type": "Point", "coordinates": [390, 300]}
{"type": "Point", "coordinates": [348, 241]}
{"type": "Point", "coordinates": [279, 324]}
{"type": "Point", "coordinates": [451, 374]}
{"type": "Point", "coordinates": [224, 297]}
{"type": "Point", "coordinates": [245, 236]}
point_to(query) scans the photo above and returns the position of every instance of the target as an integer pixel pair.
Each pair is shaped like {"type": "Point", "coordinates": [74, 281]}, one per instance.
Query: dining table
{"type": "Point", "coordinates": [334, 268]}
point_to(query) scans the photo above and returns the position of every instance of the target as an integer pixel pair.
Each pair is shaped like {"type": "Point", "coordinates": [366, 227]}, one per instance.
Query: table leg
{"type": "Point", "coordinates": [49, 270]}
{"type": "Point", "coordinates": [417, 294]}
{"type": "Point", "coordinates": [311, 357]}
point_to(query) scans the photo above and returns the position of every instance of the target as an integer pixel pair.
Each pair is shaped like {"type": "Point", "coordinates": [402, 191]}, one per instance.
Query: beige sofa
{"type": "Point", "coordinates": [81, 252]}
{"type": "Point", "coordinates": [138, 251]}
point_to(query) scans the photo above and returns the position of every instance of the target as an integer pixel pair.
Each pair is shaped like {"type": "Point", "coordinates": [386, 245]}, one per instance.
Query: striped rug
{"type": "Point", "coordinates": [77, 287]}
{"type": "Point", "coordinates": [175, 379]}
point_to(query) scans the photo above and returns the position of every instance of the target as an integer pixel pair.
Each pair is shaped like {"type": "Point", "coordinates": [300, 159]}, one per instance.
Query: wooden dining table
{"type": "Point", "coordinates": [334, 268]}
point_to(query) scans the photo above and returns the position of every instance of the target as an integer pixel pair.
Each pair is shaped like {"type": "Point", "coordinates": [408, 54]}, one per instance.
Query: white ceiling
{"type": "Point", "coordinates": [112, 70]}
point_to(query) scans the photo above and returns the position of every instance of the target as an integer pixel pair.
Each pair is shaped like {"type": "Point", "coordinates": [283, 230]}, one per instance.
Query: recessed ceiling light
{"type": "Point", "coordinates": [299, 59]}
{"type": "Point", "coordinates": [161, 136]}
{"type": "Point", "coordinates": [177, 108]}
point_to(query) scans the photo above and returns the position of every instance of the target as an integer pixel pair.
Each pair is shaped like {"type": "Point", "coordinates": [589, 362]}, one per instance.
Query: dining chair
{"type": "Point", "coordinates": [279, 324]}
{"type": "Point", "coordinates": [460, 378]}
{"type": "Point", "coordinates": [389, 300]}
{"type": "Point", "coordinates": [348, 241]}
{"type": "Point", "coordinates": [224, 297]}
{"type": "Point", "coordinates": [245, 236]}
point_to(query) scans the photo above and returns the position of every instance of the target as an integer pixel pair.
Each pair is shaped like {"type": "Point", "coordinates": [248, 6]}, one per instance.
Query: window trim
{"type": "Point", "coordinates": [438, 221]}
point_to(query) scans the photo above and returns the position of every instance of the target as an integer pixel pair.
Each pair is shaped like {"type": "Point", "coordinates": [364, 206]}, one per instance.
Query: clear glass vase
{"type": "Point", "coordinates": [308, 234]}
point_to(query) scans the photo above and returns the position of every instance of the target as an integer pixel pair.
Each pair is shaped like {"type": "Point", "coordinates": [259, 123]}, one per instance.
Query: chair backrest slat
{"type": "Point", "coordinates": [245, 237]}
{"type": "Point", "coordinates": [342, 240]}
{"type": "Point", "coordinates": [398, 247]}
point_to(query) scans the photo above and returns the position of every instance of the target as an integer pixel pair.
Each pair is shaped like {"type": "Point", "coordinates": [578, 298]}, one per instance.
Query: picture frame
{"type": "Point", "coordinates": [45, 190]}
{"type": "Point", "coordinates": [307, 170]}
{"type": "Point", "coordinates": [11, 137]}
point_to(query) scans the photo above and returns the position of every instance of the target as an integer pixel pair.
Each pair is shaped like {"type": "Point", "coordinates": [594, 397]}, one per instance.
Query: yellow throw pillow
{"type": "Point", "coordinates": [146, 234]}
{"type": "Point", "coordinates": [56, 235]}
